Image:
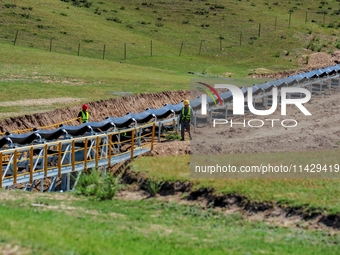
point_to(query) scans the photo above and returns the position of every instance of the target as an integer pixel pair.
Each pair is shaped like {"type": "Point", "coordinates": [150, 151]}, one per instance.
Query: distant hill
{"type": "Point", "coordinates": [240, 34]}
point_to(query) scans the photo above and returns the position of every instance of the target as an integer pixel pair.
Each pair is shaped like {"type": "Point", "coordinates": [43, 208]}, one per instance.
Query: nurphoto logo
{"type": "Point", "coordinates": [238, 104]}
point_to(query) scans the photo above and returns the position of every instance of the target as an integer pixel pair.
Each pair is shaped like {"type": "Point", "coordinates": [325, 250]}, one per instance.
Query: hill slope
{"type": "Point", "coordinates": [232, 35]}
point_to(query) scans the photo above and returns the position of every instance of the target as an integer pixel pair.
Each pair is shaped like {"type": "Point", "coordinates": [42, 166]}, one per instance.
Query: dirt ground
{"type": "Point", "coordinates": [321, 130]}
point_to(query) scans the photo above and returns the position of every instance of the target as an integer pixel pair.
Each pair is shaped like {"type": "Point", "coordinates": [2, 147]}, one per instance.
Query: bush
{"type": "Point", "coordinates": [154, 186]}
{"type": "Point", "coordinates": [159, 24]}
{"type": "Point", "coordinates": [79, 3]}
{"type": "Point", "coordinates": [117, 20]}
{"type": "Point", "coordinates": [173, 136]}
{"type": "Point", "coordinates": [277, 54]}
{"type": "Point", "coordinates": [10, 5]}
{"type": "Point", "coordinates": [95, 185]}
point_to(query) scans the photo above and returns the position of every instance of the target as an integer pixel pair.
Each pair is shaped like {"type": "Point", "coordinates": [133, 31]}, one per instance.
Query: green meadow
{"type": "Point", "coordinates": [90, 50]}
{"type": "Point", "coordinates": [64, 224]}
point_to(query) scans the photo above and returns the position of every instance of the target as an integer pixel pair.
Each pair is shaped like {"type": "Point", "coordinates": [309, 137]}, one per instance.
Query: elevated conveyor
{"type": "Point", "coordinates": [315, 81]}
{"type": "Point", "coordinates": [54, 159]}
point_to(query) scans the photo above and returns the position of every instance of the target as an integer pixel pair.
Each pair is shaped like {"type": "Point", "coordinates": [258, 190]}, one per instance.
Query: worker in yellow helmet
{"type": "Point", "coordinates": [184, 118]}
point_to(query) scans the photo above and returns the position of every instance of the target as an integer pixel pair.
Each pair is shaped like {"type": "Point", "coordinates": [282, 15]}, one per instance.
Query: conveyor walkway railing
{"type": "Point", "coordinates": [28, 164]}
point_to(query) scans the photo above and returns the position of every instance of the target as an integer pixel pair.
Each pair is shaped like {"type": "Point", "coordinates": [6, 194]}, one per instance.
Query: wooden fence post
{"type": "Point", "coordinates": [151, 48]}
{"type": "Point", "coordinates": [15, 39]}
{"type": "Point", "coordinates": [221, 38]}
{"type": "Point", "coordinates": [324, 18]}
{"type": "Point", "coordinates": [199, 51]}
{"type": "Point", "coordinates": [1, 170]}
{"type": "Point", "coordinates": [180, 51]}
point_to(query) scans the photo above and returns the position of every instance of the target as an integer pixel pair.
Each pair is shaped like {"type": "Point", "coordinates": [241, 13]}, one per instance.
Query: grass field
{"type": "Point", "coordinates": [64, 224]}
{"type": "Point", "coordinates": [224, 33]}
{"type": "Point", "coordinates": [143, 44]}
{"type": "Point", "coordinates": [316, 194]}
{"type": "Point", "coordinates": [151, 46]}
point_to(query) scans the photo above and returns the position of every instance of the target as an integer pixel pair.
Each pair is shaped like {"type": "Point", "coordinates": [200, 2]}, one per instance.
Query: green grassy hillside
{"type": "Point", "coordinates": [227, 36]}
{"type": "Point", "coordinates": [50, 47]}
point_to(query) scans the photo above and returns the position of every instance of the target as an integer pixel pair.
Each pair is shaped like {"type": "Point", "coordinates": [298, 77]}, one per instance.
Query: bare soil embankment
{"type": "Point", "coordinates": [270, 212]}
{"type": "Point", "coordinates": [99, 110]}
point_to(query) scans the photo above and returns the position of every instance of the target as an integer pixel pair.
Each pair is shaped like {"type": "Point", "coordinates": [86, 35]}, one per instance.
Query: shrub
{"type": "Point", "coordinates": [277, 54]}
{"type": "Point", "coordinates": [154, 186]}
{"type": "Point", "coordinates": [115, 19]}
{"type": "Point", "coordinates": [94, 185]}
{"type": "Point", "coordinates": [313, 47]}
{"type": "Point", "coordinates": [24, 15]}
{"type": "Point", "coordinates": [43, 27]}
{"type": "Point", "coordinates": [331, 25]}
{"type": "Point", "coordinates": [172, 136]}
{"type": "Point", "coordinates": [216, 6]}
{"type": "Point", "coordinates": [79, 3]}
{"type": "Point", "coordinates": [10, 5]}
{"type": "Point", "coordinates": [337, 45]}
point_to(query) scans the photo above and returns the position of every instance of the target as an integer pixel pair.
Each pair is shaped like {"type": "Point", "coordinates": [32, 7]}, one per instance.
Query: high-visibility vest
{"type": "Point", "coordinates": [84, 116]}
{"type": "Point", "coordinates": [186, 117]}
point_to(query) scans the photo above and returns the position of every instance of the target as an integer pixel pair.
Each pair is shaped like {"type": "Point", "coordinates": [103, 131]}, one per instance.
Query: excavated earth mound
{"type": "Point", "coordinates": [99, 110]}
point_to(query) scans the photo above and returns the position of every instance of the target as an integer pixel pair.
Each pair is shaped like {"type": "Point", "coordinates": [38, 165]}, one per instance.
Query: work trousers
{"type": "Point", "coordinates": [185, 124]}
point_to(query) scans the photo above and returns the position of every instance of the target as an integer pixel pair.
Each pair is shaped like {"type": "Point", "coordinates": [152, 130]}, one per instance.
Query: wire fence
{"type": "Point", "coordinates": [229, 35]}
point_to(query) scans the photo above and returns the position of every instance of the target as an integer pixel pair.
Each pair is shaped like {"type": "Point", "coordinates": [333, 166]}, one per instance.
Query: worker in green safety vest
{"type": "Point", "coordinates": [184, 119]}
{"type": "Point", "coordinates": [83, 115]}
